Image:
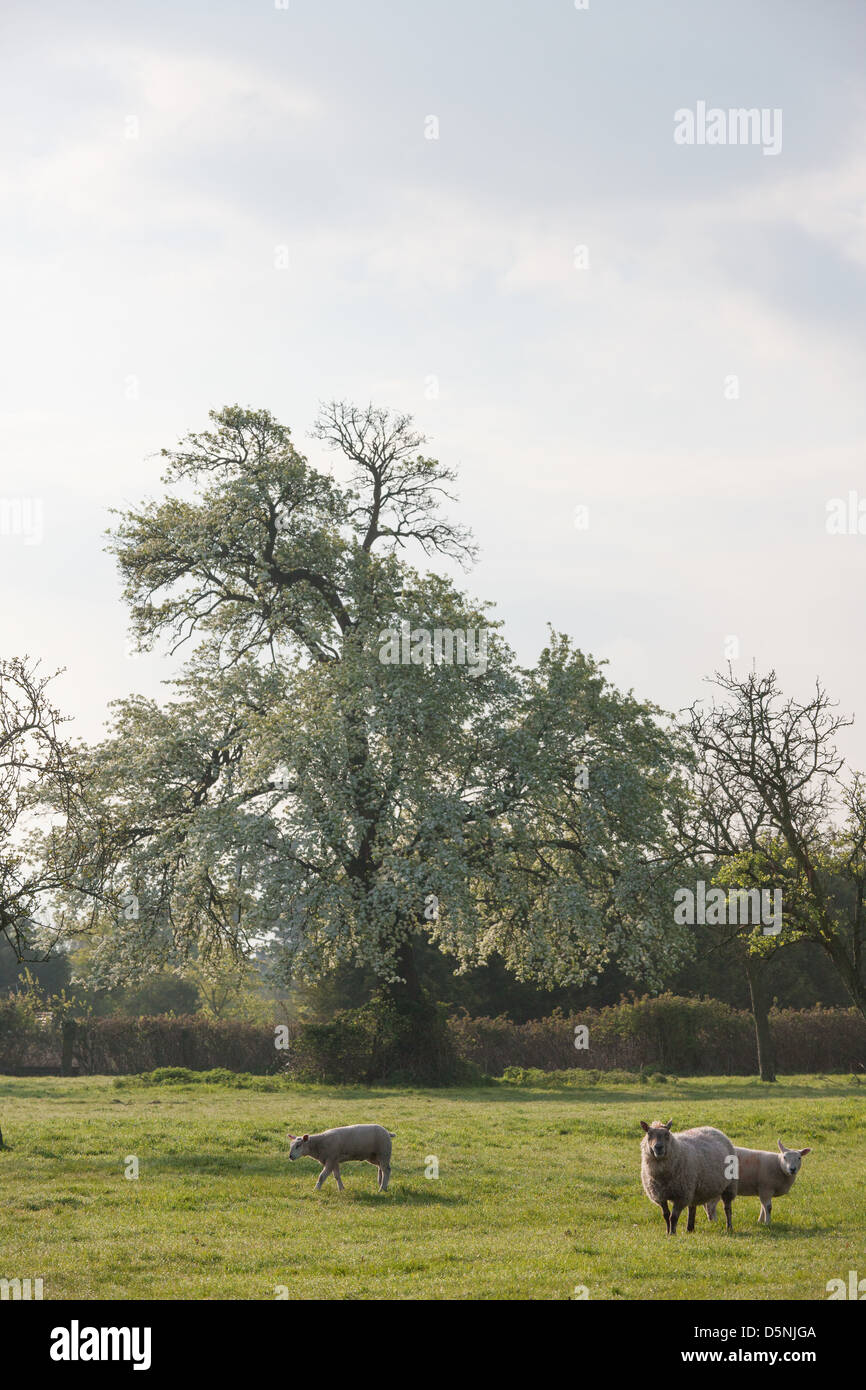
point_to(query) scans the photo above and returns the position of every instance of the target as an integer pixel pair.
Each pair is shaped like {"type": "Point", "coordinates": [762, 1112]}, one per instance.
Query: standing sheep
{"type": "Point", "coordinates": [347, 1144]}
{"type": "Point", "coordinates": [765, 1174]}
{"type": "Point", "coordinates": [687, 1169]}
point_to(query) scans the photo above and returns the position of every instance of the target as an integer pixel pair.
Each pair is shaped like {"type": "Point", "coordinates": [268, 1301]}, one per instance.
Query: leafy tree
{"type": "Point", "coordinates": [36, 765]}
{"type": "Point", "coordinates": [230, 988]}
{"type": "Point", "coordinates": [305, 788]}
{"type": "Point", "coordinates": [781, 811]}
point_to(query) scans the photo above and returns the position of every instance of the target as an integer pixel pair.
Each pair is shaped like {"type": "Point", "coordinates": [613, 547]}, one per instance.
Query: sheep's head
{"type": "Point", "coordinates": [300, 1145]}
{"type": "Point", "coordinates": [792, 1158]}
{"type": "Point", "coordinates": [657, 1137]}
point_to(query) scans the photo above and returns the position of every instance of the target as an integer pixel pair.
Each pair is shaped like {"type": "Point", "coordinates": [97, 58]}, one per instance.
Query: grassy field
{"type": "Point", "coordinates": [538, 1193]}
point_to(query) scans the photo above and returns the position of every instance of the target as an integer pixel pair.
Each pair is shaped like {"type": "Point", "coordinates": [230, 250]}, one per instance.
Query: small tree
{"type": "Point", "coordinates": [779, 806]}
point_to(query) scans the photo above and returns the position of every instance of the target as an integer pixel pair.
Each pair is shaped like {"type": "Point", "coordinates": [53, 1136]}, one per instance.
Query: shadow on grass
{"type": "Point", "coordinates": [299, 1097]}
{"type": "Point", "coordinates": [279, 1167]}
{"type": "Point", "coordinates": [223, 1164]}
{"type": "Point", "coordinates": [15, 1088]}
{"type": "Point", "coordinates": [408, 1197]}
{"type": "Point", "coordinates": [781, 1232]}
{"type": "Point", "coordinates": [676, 1093]}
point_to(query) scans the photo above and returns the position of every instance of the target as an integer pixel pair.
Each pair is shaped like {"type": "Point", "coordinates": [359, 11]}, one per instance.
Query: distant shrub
{"type": "Point", "coordinates": [215, 1076]}
{"type": "Point", "coordinates": [379, 1043]}
{"type": "Point", "coordinates": [119, 1045]}
{"type": "Point", "coordinates": [517, 1076]}
{"type": "Point", "coordinates": [648, 1040]}
{"type": "Point", "coordinates": [574, 1077]}
{"type": "Point", "coordinates": [24, 1042]}
{"type": "Point", "coordinates": [171, 1076]}
{"type": "Point", "coordinates": [665, 1035]}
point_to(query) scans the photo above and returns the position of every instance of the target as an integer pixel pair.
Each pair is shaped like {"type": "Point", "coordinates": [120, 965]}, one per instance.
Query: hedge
{"type": "Point", "coordinates": [685, 1037]}
{"type": "Point", "coordinates": [689, 1037]}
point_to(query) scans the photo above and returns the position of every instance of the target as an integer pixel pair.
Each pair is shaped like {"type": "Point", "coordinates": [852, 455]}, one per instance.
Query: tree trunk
{"type": "Point", "coordinates": [408, 988]}
{"type": "Point", "coordinates": [411, 1041]}
{"type": "Point", "coordinates": [761, 1015]}
{"type": "Point", "coordinates": [67, 1036]}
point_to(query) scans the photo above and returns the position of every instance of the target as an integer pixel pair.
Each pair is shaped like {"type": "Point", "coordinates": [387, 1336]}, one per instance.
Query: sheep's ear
{"type": "Point", "coordinates": [803, 1152]}
{"type": "Point", "coordinates": [644, 1126]}
{"type": "Point", "coordinates": [781, 1147]}
{"type": "Point", "coordinates": [668, 1125]}
{"type": "Point", "coordinates": [306, 1137]}
{"type": "Point", "coordinates": [291, 1136]}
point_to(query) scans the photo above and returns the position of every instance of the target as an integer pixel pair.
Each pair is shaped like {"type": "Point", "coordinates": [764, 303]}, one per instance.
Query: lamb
{"type": "Point", "coordinates": [347, 1144]}
{"type": "Point", "coordinates": [765, 1174]}
{"type": "Point", "coordinates": [687, 1169]}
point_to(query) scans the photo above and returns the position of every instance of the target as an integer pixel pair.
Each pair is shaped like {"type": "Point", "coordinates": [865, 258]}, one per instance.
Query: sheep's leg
{"type": "Point", "coordinates": [337, 1176]}
{"type": "Point", "coordinates": [384, 1175]}
{"type": "Point", "coordinates": [726, 1202]}
{"type": "Point", "coordinates": [675, 1216]}
{"type": "Point", "coordinates": [327, 1169]}
{"type": "Point", "coordinates": [691, 1222]}
{"type": "Point", "coordinates": [667, 1216]}
{"type": "Point", "coordinates": [710, 1209]}
{"type": "Point", "coordinates": [766, 1209]}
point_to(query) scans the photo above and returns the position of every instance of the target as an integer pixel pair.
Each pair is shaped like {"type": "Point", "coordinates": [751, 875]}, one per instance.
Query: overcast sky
{"type": "Point", "coordinates": [161, 162]}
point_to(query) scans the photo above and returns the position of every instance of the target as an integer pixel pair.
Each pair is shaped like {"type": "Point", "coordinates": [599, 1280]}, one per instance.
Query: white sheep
{"type": "Point", "coordinates": [346, 1144]}
{"type": "Point", "coordinates": [687, 1169]}
{"type": "Point", "coordinates": [765, 1174]}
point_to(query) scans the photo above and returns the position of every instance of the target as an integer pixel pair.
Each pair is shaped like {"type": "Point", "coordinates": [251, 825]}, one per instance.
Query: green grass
{"type": "Point", "coordinates": [538, 1192]}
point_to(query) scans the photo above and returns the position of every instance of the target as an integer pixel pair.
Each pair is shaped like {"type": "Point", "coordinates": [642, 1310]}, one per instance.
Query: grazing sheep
{"type": "Point", "coordinates": [765, 1174]}
{"type": "Point", "coordinates": [687, 1170]}
{"type": "Point", "coordinates": [347, 1144]}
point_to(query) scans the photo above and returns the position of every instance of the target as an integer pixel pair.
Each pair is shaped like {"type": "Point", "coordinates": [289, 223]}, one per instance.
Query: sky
{"type": "Point", "coordinates": [477, 212]}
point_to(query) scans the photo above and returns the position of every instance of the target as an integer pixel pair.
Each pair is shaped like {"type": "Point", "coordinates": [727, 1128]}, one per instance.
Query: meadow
{"type": "Point", "coordinates": [538, 1192]}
